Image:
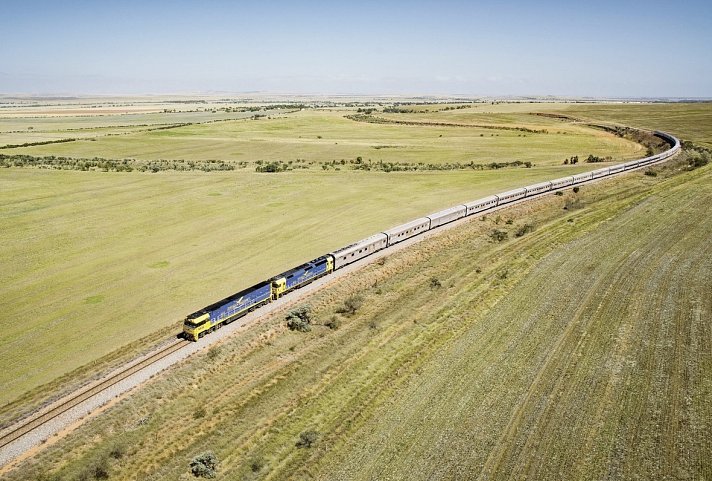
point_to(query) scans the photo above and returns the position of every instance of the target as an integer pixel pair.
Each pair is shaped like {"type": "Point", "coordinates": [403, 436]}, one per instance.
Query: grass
{"type": "Point", "coordinates": [326, 135]}
{"type": "Point", "coordinates": [689, 121]}
{"type": "Point", "coordinates": [538, 356]}
{"type": "Point", "coordinates": [97, 260]}
{"type": "Point", "coordinates": [154, 248]}
{"type": "Point", "coordinates": [93, 262]}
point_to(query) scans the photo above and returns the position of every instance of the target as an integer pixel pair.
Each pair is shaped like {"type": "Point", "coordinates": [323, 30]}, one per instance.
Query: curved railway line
{"type": "Point", "coordinates": [28, 425]}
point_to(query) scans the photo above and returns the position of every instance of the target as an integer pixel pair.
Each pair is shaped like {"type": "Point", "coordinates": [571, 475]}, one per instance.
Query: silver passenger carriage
{"type": "Point", "coordinates": [535, 189]}
{"type": "Point", "coordinates": [582, 177]}
{"type": "Point", "coordinates": [511, 195]}
{"type": "Point", "coordinates": [448, 215]}
{"type": "Point", "coordinates": [600, 172]}
{"type": "Point", "coordinates": [359, 250]}
{"type": "Point", "coordinates": [615, 169]}
{"type": "Point", "coordinates": [407, 230]}
{"type": "Point", "coordinates": [480, 205]}
{"type": "Point", "coordinates": [562, 182]}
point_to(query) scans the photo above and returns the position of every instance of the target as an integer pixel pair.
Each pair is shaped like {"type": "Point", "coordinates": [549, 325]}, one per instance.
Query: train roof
{"type": "Point", "coordinates": [368, 240]}
{"type": "Point", "coordinates": [407, 225]}
{"type": "Point", "coordinates": [231, 298]}
{"type": "Point", "coordinates": [306, 265]}
{"type": "Point", "coordinates": [447, 211]}
{"type": "Point", "coordinates": [511, 192]}
{"type": "Point", "coordinates": [483, 200]}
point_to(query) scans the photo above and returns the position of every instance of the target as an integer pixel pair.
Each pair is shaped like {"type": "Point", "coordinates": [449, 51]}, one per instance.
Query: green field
{"type": "Point", "coordinates": [690, 121]}
{"type": "Point", "coordinates": [576, 351]}
{"type": "Point", "coordinates": [93, 261]}
{"type": "Point", "coordinates": [96, 261]}
{"type": "Point", "coordinates": [319, 135]}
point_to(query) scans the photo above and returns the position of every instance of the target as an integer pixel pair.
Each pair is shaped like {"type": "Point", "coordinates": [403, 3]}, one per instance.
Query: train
{"type": "Point", "coordinates": [223, 312]}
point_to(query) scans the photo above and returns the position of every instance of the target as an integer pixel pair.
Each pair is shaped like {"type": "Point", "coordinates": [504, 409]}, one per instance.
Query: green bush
{"type": "Point", "coordinates": [351, 305]}
{"type": "Point", "coordinates": [299, 319]}
{"type": "Point", "coordinates": [498, 235]}
{"type": "Point", "coordinates": [523, 230]}
{"type": "Point", "coordinates": [307, 439]}
{"type": "Point", "coordinates": [256, 464]}
{"type": "Point", "coordinates": [117, 451]}
{"type": "Point", "coordinates": [204, 465]}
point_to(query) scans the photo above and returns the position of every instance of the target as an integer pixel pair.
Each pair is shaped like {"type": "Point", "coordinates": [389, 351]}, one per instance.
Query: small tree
{"type": "Point", "coordinates": [498, 235]}
{"type": "Point", "coordinates": [307, 439]}
{"type": "Point", "coordinates": [351, 305]}
{"type": "Point", "coordinates": [204, 465]}
{"type": "Point", "coordinates": [299, 319]}
{"type": "Point", "coordinates": [523, 230]}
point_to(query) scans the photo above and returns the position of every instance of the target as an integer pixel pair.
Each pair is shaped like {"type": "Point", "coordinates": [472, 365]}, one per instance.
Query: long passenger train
{"type": "Point", "coordinates": [223, 312]}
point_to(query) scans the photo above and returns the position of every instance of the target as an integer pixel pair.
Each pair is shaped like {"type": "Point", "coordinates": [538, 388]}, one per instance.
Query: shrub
{"type": "Point", "coordinates": [334, 323]}
{"type": "Point", "coordinates": [559, 193]}
{"type": "Point", "coordinates": [307, 439]}
{"type": "Point", "coordinates": [651, 173]}
{"type": "Point", "coordinates": [523, 230]}
{"type": "Point", "coordinates": [117, 451]}
{"type": "Point", "coordinates": [204, 465]}
{"type": "Point", "coordinates": [351, 305]}
{"type": "Point", "coordinates": [199, 413]}
{"type": "Point", "coordinates": [299, 319]}
{"type": "Point", "coordinates": [97, 470]}
{"type": "Point", "coordinates": [576, 190]}
{"type": "Point", "coordinates": [100, 470]}
{"type": "Point", "coordinates": [498, 235]}
{"type": "Point", "coordinates": [256, 464]}
{"type": "Point", "coordinates": [435, 283]}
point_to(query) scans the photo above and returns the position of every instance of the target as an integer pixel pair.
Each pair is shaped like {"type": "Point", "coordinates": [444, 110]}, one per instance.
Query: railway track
{"type": "Point", "coordinates": [77, 398]}
{"type": "Point", "coordinates": [81, 396]}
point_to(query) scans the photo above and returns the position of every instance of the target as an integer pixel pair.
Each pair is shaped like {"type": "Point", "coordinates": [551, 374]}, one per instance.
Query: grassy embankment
{"type": "Point", "coordinates": [94, 261]}
{"type": "Point", "coordinates": [577, 351]}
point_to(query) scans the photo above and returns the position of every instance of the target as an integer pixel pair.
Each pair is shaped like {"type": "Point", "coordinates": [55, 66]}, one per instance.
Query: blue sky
{"type": "Point", "coordinates": [620, 49]}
